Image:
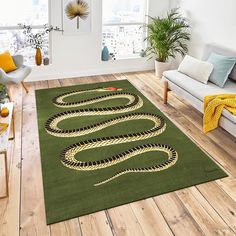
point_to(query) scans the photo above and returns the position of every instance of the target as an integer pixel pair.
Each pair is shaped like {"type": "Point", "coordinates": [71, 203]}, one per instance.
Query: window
{"type": "Point", "coordinates": [29, 12]}
{"type": "Point", "coordinates": [123, 33]}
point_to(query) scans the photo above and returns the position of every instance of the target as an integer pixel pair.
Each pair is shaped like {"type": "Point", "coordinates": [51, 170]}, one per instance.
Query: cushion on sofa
{"type": "Point", "coordinates": [223, 66]}
{"type": "Point", "coordinates": [209, 48]}
{"type": "Point", "coordinates": [196, 69]}
{"type": "Point", "coordinates": [7, 62]}
{"type": "Point", "coordinates": [200, 90]}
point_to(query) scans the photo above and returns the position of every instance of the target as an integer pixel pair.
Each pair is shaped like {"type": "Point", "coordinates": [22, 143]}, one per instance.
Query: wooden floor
{"type": "Point", "coordinates": [207, 209]}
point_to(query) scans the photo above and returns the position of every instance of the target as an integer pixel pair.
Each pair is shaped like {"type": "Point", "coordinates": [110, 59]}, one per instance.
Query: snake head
{"type": "Point", "coordinates": [111, 89]}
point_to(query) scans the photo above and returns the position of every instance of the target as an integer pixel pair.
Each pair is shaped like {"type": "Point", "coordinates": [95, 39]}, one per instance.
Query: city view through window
{"type": "Point", "coordinates": [123, 33]}
{"type": "Point", "coordinates": [29, 12]}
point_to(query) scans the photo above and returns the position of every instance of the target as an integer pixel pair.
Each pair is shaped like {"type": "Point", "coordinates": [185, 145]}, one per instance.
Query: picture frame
{"type": "Point", "coordinates": [76, 16]}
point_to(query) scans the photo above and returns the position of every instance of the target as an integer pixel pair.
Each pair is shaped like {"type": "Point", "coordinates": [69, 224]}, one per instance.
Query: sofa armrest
{"type": "Point", "coordinates": [2, 72]}
{"type": "Point", "coordinates": [19, 60]}
{"type": "Point", "coordinates": [3, 76]}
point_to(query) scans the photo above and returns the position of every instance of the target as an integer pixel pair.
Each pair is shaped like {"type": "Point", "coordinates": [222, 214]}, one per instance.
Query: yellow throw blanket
{"type": "Point", "coordinates": [213, 107]}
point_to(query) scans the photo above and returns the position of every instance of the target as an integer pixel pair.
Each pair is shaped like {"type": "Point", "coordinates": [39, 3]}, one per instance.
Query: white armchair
{"type": "Point", "coordinates": [18, 75]}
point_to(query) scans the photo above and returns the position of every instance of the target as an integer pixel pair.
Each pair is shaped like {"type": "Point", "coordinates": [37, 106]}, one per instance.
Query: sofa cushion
{"type": "Point", "coordinates": [229, 115]}
{"type": "Point", "coordinates": [200, 90]}
{"type": "Point", "coordinates": [7, 62]}
{"type": "Point", "coordinates": [209, 48]}
{"type": "Point", "coordinates": [223, 66]}
{"type": "Point", "coordinates": [196, 69]}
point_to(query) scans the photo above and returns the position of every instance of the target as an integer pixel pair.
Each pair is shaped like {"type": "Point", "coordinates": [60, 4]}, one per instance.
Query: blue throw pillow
{"type": "Point", "coordinates": [223, 66]}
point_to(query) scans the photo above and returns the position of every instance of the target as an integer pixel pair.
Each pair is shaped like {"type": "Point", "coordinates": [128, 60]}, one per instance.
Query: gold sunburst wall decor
{"type": "Point", "coordinates": [78, 9]}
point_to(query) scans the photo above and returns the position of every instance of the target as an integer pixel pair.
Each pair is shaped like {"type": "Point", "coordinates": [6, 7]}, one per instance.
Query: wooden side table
{"type": "Point", "coordinates": [4, 139]}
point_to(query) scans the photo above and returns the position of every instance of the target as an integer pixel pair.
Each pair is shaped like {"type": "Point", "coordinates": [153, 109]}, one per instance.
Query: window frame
{"type": "Point", "coordinates": [145, 21]}
{"type": "Point", "coordinates": [16, 27]}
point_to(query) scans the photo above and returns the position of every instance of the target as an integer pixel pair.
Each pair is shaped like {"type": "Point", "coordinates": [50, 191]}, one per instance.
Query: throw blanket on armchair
{"type": "Point", "coordinates": [213, 107]}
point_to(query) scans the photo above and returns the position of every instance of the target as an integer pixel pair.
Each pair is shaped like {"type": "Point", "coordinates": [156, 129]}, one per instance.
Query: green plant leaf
{"type": "Point", "coordinates": [167, 36]}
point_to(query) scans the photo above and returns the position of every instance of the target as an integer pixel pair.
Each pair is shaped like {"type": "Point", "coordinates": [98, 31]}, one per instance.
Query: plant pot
{"type": "Point", "coordinates": [38, 57]}
{"type": "Point", "coordinates": [161, 67]}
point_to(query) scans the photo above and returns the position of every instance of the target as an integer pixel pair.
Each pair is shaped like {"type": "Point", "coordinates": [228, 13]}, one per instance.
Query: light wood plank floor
{"type": "Point", "coordinates": [207, 209]}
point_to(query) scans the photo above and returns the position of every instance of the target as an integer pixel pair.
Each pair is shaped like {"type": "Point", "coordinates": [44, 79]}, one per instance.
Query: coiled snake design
{"type": "Point", "coordinates": [67, 156]}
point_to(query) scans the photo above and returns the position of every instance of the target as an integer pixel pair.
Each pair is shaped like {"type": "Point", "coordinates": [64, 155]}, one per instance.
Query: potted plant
{"type": "Point", "coordinates": [167, 37]}
{"type": "Point", "coordinates": [36, 40]}
{"type": "Point", "coordinates": [3, 93]}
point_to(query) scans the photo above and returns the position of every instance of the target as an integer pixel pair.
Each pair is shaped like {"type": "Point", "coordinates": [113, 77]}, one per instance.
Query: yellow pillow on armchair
{"type": "Point", "coordinates": [6, 62]}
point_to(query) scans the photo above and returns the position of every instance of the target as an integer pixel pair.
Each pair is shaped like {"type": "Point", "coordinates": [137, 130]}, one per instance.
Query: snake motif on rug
{"type": "Point", "coordinates": [135, 102]}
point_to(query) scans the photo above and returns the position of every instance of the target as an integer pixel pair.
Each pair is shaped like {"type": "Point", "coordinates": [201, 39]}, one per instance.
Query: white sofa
{"type": "Point", "coordinates": [194, 91]}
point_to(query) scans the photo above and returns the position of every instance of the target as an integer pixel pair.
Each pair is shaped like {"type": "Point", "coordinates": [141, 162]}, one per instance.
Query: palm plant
{"type": "Point", "coordinates": [167, 36]}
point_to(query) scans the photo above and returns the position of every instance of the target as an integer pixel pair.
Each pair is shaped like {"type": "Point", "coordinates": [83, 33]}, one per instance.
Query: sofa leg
{"type": "Point", "coordinates": [166, 90]}
{"type": "Point", "coordinates": [24, 86]}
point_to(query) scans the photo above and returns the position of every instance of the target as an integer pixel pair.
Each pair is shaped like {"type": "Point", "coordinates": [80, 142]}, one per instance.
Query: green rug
{"type": "Point", "coordinates": [85, 170]}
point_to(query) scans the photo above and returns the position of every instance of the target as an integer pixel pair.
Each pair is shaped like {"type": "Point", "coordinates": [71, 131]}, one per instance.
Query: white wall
{"type": "Point", "coordinates": [74, 56]}
{"type": "Point", "coordinates": [213, 21]}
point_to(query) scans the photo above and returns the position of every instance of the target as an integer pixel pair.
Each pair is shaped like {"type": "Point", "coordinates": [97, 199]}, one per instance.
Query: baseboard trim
{"type": "Point", "coordinates": [53, 76]}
